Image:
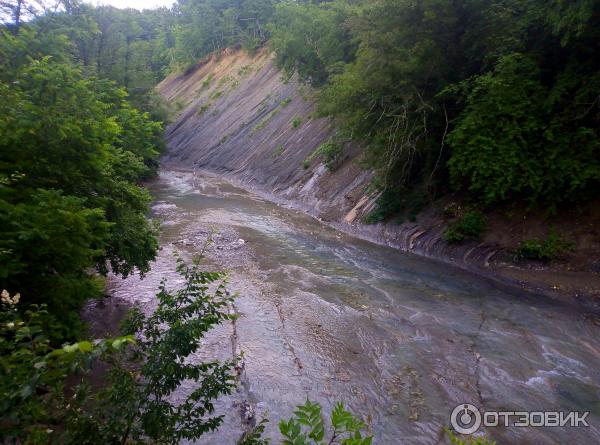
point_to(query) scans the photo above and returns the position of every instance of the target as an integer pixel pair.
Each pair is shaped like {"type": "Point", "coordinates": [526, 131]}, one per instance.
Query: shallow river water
{"type": "Point", "coordinates": [400, 339]}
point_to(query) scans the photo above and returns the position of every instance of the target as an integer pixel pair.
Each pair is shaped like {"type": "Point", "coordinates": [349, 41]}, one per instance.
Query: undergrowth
{"type": "Point", "coordinates": [330, 151]}
{"type": "Point", "coordinates": [549, 249]}
{"type": "Point", "coordinates": [468, 226]}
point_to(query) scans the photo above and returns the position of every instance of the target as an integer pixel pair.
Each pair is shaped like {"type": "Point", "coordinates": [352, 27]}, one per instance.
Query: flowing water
{"type": "Point", "coordinates": [400, 339]}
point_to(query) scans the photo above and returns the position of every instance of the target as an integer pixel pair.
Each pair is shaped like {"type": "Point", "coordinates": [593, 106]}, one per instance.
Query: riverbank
{"type": "Point", "coordinates": [487, 260]}
{"type": "Point", "coordinates": [240, 120]}
{"type": "Point", "coordinates": [400, 339]}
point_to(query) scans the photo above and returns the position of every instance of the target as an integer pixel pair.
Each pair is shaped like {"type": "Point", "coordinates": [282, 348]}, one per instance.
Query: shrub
{"type": "Point", "coordinates": [135, 405]}
{"type": "Point", "coordinates": [469, 226]}
{"type": "Point", "coordinates": [245, 70]}
{"type": "Point", "coordinates": [224, 80]}
{"type": "Point", "coordinates": [296, 122]}
{"type": "Point", "coordinates": [207, 81]}
{"type": "Point", "coordinates": [330, 151]}
{"type": "Point", "coordinates": [543, 250]}
{"type": "Point", "coordinates": [203, 109]}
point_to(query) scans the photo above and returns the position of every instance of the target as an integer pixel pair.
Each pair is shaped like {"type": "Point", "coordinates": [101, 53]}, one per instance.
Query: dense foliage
{"type": "Point", "coordinates": [204, 26]}
{"type": "Point", "coordinates": [498, 99]}
{"type": "Point", "coordinates": [310, 39]}
{"type": "Point", "coordinates": [72, 152]}
{"type": "Point", "coordinates": [33, 373]}
{"type": "Point", "coordinates": [146, 366]}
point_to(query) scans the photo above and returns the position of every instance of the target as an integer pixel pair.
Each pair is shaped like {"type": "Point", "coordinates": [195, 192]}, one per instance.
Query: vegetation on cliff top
{"type": "Point", "coordinates": [498, 99]}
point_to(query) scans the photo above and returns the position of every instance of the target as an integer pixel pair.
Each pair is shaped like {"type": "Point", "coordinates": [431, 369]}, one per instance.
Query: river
{"type": "Point", "coordinates": [400, 339]}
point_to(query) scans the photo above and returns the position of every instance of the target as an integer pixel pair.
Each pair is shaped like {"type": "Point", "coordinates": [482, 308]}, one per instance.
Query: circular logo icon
{"type": "Point", "coordinates": [466, 419]}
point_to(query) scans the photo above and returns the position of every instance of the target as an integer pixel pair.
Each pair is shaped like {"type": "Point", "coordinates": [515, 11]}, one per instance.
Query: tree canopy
{"type": "Point", "coordinates": [498, 99]}
{"type": "Point", "coordinates": [73, 151]}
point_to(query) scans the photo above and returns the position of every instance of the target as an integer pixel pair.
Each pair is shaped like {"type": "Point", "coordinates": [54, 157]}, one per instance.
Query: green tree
{"type": "Point", "coordinates": [137, 406]}
{"type": "Point", "coordinates": [72, 150]}
{"type": "Point", "coordinates": [205, 26]}
{"type": "Point", "coordinates": [145, 368]}
{"type": "Point", "coordinates": [498, 99]}
{"type": "Point", "coordinates": [311, 39]}
{"type": "Point", "coordinates": [512, 143]}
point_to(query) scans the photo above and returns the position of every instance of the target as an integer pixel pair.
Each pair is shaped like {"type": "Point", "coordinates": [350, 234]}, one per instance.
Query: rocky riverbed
{"type": "Point", "coordinates": [400, 339]}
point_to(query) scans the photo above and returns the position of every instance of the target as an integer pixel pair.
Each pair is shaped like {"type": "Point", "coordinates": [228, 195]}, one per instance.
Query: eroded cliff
{"type": "Point", "coordinates": [238, 117]}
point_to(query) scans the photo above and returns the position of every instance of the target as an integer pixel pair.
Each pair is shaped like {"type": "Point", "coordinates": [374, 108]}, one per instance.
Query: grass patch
{"type": "Point", "coordinates": [278, 151]}
{"type": "Point", "coordinates": [203, 109]}
{"type": "Point", "coordinates": [263, 123]}
{"type": "Point", "coordinates": [245, 70]}
{"type": "Point", "coordinates": [330, 151]}
{"type": "Point", "coordinates": [224, 80]}
{"type": "Point", "coordinates": [456, 440]}
{"type": "Point", "coordinates": [546, 250]}
{"type": "Point", "coordinates": [469, 226]}
{"type": "Point", "coordinates": [285, 102]}
{"type": "Point", "coordinates": [296, 122]}
{"type": "Point", "coordinates": [179, 106]}
{"type": "Point", "coordinates": [207, 81]}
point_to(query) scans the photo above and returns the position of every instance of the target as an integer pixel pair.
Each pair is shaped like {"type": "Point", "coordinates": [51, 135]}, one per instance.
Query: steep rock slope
{"type": "Point", "coordinates": [239, 118]}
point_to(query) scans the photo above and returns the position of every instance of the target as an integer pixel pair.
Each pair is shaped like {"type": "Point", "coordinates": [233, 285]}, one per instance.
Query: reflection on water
{"type": "Point", "coordinates": [400, 339]}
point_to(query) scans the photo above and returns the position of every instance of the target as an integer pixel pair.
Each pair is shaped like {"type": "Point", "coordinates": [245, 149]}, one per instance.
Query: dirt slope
{"type": "Point", "coordinates": [238, 118]}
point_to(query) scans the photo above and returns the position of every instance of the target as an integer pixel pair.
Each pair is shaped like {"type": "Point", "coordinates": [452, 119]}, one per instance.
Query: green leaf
{"type": "Point", "coordinates": [85, 346]}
